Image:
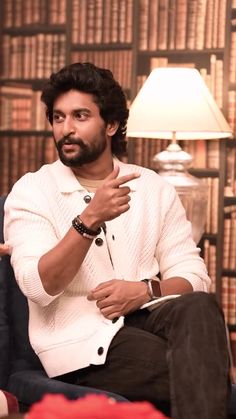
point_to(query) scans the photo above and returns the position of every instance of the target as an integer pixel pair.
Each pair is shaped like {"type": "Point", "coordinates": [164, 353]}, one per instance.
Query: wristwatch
{"type": "Point", "coordinates": [154, 289]}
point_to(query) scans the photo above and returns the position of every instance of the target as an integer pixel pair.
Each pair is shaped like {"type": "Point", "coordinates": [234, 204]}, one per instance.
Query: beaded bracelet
{"type": "Point", "coordinates": [86, 232]}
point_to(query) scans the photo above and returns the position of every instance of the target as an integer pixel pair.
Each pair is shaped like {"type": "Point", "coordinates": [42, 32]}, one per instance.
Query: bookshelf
{"type": "Point", "coordinates": [33, 44]}
{"type": "Point", "coordinates": [130, 37]}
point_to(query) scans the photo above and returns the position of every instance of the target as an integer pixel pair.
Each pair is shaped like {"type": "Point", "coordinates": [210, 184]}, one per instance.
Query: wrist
{"type": "Point", "coordinates": [83, 229]}
{"type": "Point", "coordinates": [147, 295]}
{"type": "Point", "coordinates": [90, 220]}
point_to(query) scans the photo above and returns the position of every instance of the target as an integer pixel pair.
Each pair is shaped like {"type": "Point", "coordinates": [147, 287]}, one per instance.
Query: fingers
{"type": "Point", "coordinates": [108, 309]}
{"type": "Point", "coordinates": [123, 190]}
{"type": "Point", "coordinates": [105, 299]}
{"type": "Point", "coordinates": [98, 293]}
{"type": "Point", "coordinates": [105, 306]}
{"type": "Point", "coordinates": [103, 303]}
{"type": "Point", "coordinates": [110, 313]}
{"type": "Point", "coordinates": [116, 182]}
{"type": "Point", "coordinates": [123, 179]}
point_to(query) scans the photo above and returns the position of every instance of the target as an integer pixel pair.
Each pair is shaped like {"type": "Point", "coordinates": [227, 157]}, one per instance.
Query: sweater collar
{"type": "Point", "coordinates": [67, 181]}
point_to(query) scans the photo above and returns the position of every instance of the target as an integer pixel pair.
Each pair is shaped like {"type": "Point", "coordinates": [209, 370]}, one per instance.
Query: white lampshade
{"type": "Point", "coordinates": [175, 103]}
{"type": "Point", "coordinates": [176, 100]}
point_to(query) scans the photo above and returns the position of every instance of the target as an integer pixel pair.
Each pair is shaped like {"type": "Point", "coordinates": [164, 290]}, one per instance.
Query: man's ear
{"type": "Point", "coordinates": [112, 128]}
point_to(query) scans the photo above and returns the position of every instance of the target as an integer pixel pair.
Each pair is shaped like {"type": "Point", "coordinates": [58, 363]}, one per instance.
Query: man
{"type": "Point", "coordinates": [88, 233]}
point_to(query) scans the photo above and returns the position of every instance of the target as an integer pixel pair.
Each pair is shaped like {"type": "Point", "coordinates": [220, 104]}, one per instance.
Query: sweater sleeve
{"type": "Point", "coordinates": [176, 251]}
{"type": "Point", "coordinates": [30, 233]}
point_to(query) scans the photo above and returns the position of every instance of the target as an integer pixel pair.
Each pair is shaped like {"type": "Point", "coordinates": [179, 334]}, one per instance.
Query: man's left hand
{"type": "Point", "coordinates": [117, 297]}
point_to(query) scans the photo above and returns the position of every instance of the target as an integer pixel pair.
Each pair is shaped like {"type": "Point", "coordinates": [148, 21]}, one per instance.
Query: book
{"type": "Point", "coordinates": [98, 21]}
{"type": "Point", "coordinates": [181, 24]}
{"type": "Point", "coordinates": [153, 25]}
{"type": "Point", "coordinates": [90, 22]}
{"type": "Point", "coordinates": [200, 24]}
{"type": "Point", "coordinates": [225, 297]}
{"type": "Point", "coordinates": [191, 24]}
{"type": "Point", "coordinates": [226, 243]}
{"type": "Point", "coordinates": [171, 24]}
{"type": "Point", "coordinates": [232, 59]}
{"type": "Point", "coordinates": [143, 25]}
{"type": "Point", "coordinates": [209, 24]}
{"type": "Point", "coordinates": [114, 21]}
{"type": "Point", "coordinates": [163, 24]}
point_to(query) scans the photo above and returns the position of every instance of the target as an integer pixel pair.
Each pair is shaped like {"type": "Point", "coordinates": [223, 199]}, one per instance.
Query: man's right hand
{"type": "Point", "coordinates": [110, 200]}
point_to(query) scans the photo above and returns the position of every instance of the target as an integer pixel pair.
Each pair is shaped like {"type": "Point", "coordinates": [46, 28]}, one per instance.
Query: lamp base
{"type": "Point", "coordinates": [193, 192]}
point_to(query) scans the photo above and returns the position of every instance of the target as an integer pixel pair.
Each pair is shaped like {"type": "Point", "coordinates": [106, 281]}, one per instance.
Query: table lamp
{"type": "Point", "coordinates": [175, 104]}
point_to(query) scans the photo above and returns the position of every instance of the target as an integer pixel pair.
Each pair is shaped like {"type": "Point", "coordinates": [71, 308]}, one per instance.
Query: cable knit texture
{"type": "Point", "coordinates": [153, 236]}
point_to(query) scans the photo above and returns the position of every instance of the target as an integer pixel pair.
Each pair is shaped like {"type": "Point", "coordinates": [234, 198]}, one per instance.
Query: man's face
{"type": "Point", "coordinates": [80, 133]}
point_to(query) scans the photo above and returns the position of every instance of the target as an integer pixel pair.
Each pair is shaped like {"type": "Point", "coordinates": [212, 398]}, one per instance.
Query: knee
{"type": "Point", "coordinates": [200, 300]}
{"type": "Point", "coordinates": [201, 305]}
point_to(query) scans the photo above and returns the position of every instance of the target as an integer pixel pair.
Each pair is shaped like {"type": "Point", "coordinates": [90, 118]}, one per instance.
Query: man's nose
{"type": "Point", "coordinates": [68, 126]}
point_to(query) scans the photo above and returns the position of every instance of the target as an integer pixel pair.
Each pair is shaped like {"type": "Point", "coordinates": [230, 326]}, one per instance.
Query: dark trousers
{"type": "Point", "coordinates": [176, 353]}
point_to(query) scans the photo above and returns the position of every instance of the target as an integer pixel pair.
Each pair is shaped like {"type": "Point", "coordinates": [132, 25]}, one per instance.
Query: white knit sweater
{"type": "Point", "coordinates": [67, 330]}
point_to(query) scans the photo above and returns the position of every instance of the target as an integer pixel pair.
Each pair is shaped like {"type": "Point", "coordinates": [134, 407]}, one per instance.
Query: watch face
{"type": "Point", "coordinates": [156, 289]}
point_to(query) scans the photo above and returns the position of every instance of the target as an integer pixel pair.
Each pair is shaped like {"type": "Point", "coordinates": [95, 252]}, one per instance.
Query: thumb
{"type": "Point", "coordinates": [114, 174]}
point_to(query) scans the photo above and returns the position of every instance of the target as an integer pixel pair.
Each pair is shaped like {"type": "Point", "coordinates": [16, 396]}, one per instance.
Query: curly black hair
{"type": "Point", "coordinates": [108, 94]}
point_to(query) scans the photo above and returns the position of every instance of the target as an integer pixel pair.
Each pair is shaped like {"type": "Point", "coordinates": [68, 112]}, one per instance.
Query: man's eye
{"type": "Point", "coordinates": [57, 118]}
{"type": "Point", "coordinates": [81, 116]}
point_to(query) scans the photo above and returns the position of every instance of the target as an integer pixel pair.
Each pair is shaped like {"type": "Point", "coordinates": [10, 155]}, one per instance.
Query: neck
{"type": "Point", "coordinates": [96, 170]}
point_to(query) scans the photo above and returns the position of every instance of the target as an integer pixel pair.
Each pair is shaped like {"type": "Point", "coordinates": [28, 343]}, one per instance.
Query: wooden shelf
{"type": "Point", "coordinates": [101, 47]}
{"type": "Point", "coordinates": [204, 172]}
{"type": "Point", "coordinates": [21, 133]}
{"type": "Point", "coordinates": [34, 29]}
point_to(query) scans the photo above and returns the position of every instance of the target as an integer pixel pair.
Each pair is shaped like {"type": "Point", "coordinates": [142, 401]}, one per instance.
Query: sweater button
{"type": "Point", "coordinates": [87, 199]}
{"type": "Point", "coordinates": [99, 241]}
{"type": "Point", "coordinates": [100, 350]}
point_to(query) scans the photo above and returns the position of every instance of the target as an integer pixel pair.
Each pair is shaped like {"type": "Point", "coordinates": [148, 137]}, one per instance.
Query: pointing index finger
{"type": "Point", "coordinates": [126, 178]}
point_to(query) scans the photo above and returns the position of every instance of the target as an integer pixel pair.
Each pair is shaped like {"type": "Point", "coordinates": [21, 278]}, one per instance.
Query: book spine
{"type": "Point", "coordinates": [200, 24]}
{"type": "Point", "coordinates": [191, 24]}
{"type": "Point", "coordinates": [181, 24]}
{"type": "Point", "coordinates": [225, 297]}
{"type": "Point", "coordinates": [90, 24]}
{"type": "Point", "coordinates": [143, 25]}
{"type": "Point", "coordinates": [8, 11]}
{"type": "Point", "coordinates": [163, 25]}
{"type": "Point", "coordinates": [209, 24]}
{"type": "Point", "coordinates": [153, 25]}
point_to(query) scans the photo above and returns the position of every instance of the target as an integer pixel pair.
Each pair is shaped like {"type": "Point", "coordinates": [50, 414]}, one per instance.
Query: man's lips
{"type": "Point", "coordinates": [70, 146]}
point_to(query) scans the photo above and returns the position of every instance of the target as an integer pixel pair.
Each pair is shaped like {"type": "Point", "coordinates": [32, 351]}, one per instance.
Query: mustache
{"type": "Point", "coordinates": [70, 141]}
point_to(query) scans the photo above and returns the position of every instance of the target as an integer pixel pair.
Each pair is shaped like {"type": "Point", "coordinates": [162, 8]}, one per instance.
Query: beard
{"type": "Point", "coordinates": [87, 153]}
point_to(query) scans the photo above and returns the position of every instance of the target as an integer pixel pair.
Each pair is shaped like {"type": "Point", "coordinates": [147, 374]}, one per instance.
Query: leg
{"type": "Point", "coordinates": [132, 368]}
{"type": "Point", "coordinates": [177, 352]}
{"type": "Point", "coordinates": [197, 355]}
